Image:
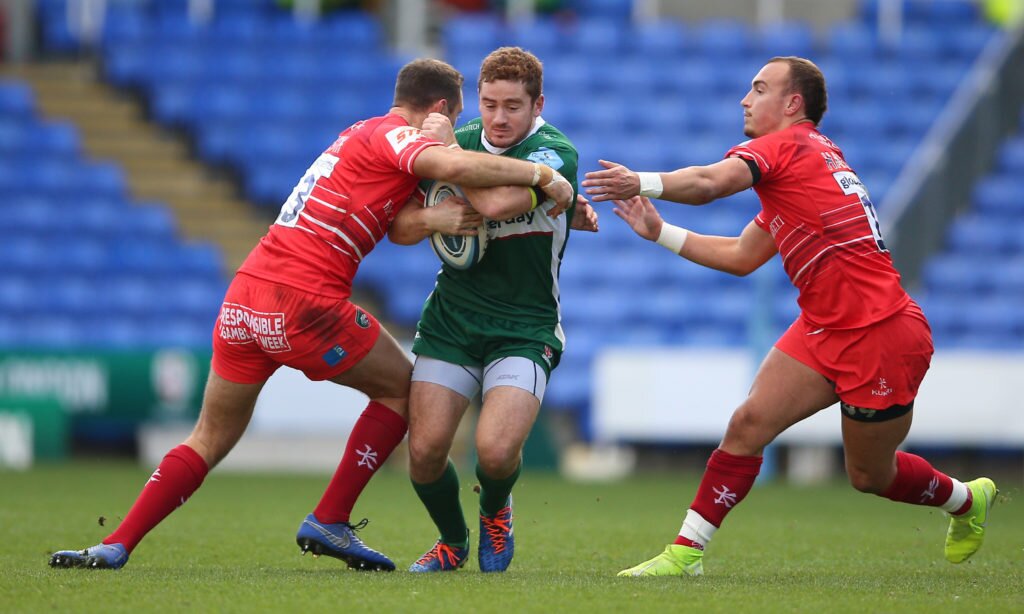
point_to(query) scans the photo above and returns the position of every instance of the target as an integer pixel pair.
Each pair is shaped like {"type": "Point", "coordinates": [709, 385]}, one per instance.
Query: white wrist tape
{"type": "Point", "coordinates": [536, 174]}
{"type": "Point", "coordinates": [672, 237]}
{"type": "Point", "coordinates": [650, 184]}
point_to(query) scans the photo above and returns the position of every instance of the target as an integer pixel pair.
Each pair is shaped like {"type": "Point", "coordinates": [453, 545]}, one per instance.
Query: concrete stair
{"type": "Point", "coordinates": [157, 162]}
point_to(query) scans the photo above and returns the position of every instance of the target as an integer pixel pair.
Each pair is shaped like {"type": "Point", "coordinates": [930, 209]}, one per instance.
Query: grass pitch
{"type": "Point", "coordinates": [232, 549]}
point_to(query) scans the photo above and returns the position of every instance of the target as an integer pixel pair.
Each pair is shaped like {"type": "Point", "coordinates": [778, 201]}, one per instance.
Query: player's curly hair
{"type": "Point", "coordinates": [423, 82]}
{"type": "Point", "coordinates": [807, 79]}
{"type": "Point", "coordinates": [513, 64]}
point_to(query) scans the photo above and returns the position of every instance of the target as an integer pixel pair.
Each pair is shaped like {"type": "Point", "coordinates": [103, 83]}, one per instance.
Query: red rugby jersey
{"type": "Point", "coordinates": [341, 208]}
{"type": "Point", "coordinates": [825, 228]}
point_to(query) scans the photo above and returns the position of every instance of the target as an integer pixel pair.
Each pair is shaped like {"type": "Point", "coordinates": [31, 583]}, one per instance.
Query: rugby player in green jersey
{"type": "Point", "coordinates": [494, 327]}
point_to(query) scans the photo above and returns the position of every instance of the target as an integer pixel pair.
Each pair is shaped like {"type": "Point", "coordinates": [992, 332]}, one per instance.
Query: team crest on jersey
{"type": "Point", "coordinates": [547, 157]}
{"type": "Point", "coordinates": [362, 319]}
{"type": "Point", "coordinates": [548, 354]}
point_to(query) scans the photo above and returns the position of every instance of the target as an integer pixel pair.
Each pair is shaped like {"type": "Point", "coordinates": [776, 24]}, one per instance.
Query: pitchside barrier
{"type": "Point", "coordinates": [657, 395]}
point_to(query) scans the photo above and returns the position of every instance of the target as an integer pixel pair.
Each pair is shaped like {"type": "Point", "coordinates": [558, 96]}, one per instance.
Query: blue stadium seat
{"type": "Point", "coordinates": [1000, 196]}
{"type": "Point", "coordinates": [724, 39]}
{"type": "Point", "coordinates": [16, 100]}
{"type": "Point", "coordinates": [1011, 157]}
{"type": "Point", "coordinates": [663, 40]}
{"type": "Point", "coordinates": [599, 39]}
{"type": "Point", "coordinates": [787, 38]}
{"type": "Point", "coordinates": [479, 33]}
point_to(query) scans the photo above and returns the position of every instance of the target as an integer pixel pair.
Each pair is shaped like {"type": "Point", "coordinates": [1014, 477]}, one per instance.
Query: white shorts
{"type": "Point", "coordinates": [513, 371]}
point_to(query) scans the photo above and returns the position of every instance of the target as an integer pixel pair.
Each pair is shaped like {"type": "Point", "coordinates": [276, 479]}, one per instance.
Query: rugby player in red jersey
{"type": "Point", "coordinates": [289, 305]}
{"type": "Point", "coordinates": [859, 340]}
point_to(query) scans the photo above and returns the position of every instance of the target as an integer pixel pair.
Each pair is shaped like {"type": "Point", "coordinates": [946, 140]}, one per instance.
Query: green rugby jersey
{"type": "Point", "coordinates": [517, 279]}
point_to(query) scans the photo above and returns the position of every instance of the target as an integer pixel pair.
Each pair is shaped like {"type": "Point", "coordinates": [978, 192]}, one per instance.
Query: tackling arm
{"type": "Point", "coordinates": [414, 222]}
{"type": "Point", "coordinates": [469, 169]}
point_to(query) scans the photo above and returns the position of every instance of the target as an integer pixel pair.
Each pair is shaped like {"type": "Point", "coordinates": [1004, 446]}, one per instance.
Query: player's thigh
{"type": "Point", "coordinates": [225, 414]}
{"type": "Point", "coordinates": [434, 415]}
{"type": "Point", "coordinates": [506, 418]}
{"type": "Point", "coordinates": [438, 398]}
{"type": "Point", "coordinates": [785, 391]}
{"type": "Point", "coordinates": [383, 373]}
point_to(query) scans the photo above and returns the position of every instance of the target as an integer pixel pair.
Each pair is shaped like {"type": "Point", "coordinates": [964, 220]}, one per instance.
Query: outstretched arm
{"type": "Point", "coordinates": [736, 255]}
{"type": "Point", "coordinates": [693, 185]}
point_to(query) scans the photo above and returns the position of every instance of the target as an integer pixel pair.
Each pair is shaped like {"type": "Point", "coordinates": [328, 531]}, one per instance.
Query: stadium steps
{"type": "Point", "coordinates": [158, 165]}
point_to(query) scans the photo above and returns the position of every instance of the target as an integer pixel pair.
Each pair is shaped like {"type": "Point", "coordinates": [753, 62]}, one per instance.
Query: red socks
{"type": "Point", "coordinates": [376, 434]}
{"type": "Point", "coordinates": [726, 482]}
{"type": "Point", "coordinates": [178, 476]}
{"type": "Point", "coordinates": [918, 483]}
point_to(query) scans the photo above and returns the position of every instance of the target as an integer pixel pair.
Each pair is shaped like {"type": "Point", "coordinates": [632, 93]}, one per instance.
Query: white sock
{"type": "Point", "coordinates": [957, 498]}
{"type": "Point", "coordinates": [696, 529]}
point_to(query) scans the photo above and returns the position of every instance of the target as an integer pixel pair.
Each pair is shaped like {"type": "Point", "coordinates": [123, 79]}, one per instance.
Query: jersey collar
{"type": "Point", "coordinates": [537, 123]}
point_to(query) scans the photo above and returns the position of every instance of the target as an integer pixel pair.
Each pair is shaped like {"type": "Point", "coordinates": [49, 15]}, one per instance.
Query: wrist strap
{"type": "Point", "coordinates": [650, 184]}
{"type": "Point", "coordinates": [672, 237]}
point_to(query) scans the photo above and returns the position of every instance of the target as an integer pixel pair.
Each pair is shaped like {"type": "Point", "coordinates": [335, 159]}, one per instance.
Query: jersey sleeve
{"type": "Point", "coordinates": [765, 152]}
{"type": "Point", "coordinates": [401, 145]}
{"type": "Point", "coordinates": [761, 222]}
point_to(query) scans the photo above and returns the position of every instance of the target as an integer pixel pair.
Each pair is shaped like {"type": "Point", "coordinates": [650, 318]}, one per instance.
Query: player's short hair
{"type": "Point", "coordinates": [423, 82]}
{"type": "Point", "coordinates": [513, 64]}
{"type": "Point", "coordinates": [807, 79]}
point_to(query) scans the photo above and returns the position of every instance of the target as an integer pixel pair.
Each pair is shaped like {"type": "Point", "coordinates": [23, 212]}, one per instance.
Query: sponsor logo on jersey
{"type": "Point", "coordinates": [335, 355]}
{"type": "Point", "coordinates": [525, 219]}
{"type": "Point", "coordinates": [240, 324]}
{"type": "Point", "coordinates": [401, 137]}
{"type": "Point", "coordinates": [362, 320]}
{"type": "Point", "coordinates": [547, 157]}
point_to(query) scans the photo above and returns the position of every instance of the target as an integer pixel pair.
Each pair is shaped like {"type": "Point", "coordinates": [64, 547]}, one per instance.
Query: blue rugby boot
{"type": "Point", "coordinates": [442, 557]}
{"type": "Point", "coordinates": [497, 543]}
{"type": "Point", "coordinates": [100, 556]}
{"type": "Point", "coordinates": [339, 540]}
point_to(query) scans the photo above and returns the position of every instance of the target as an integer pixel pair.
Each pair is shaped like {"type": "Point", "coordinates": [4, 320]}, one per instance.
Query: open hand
{"type": "Point", "coordinates": [641, 216]}
{"type": "Point", "coordinates": [616, 182]}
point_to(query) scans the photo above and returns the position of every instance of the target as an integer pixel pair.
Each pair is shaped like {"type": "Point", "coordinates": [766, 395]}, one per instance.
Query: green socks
{"type": "Point", "coordinates": [441, 498]}
{"type": "Point", "coordinates": [494, 493]}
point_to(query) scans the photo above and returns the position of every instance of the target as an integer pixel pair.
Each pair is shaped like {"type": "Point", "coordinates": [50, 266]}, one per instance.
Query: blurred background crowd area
{"type": "Point", "coordinates": [145, 145]}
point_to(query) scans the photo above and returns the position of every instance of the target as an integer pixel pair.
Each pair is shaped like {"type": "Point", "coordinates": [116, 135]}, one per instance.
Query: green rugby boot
{"type": "Point", "coordinates": [674, 561]}
{"type": "Point", "coordinates": [967, 531]}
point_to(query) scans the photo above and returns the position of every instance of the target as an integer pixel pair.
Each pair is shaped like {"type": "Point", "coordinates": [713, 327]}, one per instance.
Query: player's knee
{"type": "Point", "coordinates": [746, 433]}
{"type": "Point", "coordinates": [866, 480]}
{"type": "Point", "coordinates": [498, 459]}
{"type": "Point", "coordinates": [426, 457]}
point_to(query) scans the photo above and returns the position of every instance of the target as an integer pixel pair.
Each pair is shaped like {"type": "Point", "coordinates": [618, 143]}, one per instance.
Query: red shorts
{"type": "Point", "coordinates": [874, 367]}
{"type": "Point", "coordinates": [263, 325]}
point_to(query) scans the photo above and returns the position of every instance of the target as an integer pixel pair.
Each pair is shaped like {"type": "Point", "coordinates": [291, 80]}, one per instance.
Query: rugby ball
{"type": "Point", "coordinates": [455, 251]}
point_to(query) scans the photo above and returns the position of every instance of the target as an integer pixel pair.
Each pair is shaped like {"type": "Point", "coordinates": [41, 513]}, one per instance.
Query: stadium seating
{"type": "Point", "coordinates": [255, 93]}
{"type": "Point", "coordinates": [983, 262]}
{"type": "Point", "coordinates": [85, 268]}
